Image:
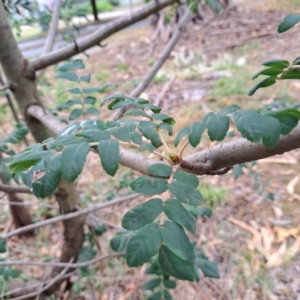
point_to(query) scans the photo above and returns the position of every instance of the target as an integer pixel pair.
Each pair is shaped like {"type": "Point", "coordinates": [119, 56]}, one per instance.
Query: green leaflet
{"type": "Point", "coordinates": [92, 111]}
{"type": "Point", "coordinates": [166, 127]}
{"type": "Point", "coordinates": [149, 132]}
{"type": "Point", "coordinates": [196, 131]}
{"type": "Point", "coordinates": [75, 114]}
{"type": "Point", "coordinates": [110, 156]}
{"type": "Point", "coordinates": [175, 266]}
{"type": "Point", "coordinates": [137, 113]}
{"type": "Point", "coordinates": [287, 123]}
{"type": "Point", "coordinates": [90, 100]}
{"type": "Point", "coordinates": [120, 133]}
{"type": "Point", "coordinates": [268, 81]}
{"type": "Point", "coordinates": [176, 212]}
{"type": "Point", "coordinates": [142, 215]}
{"type": "Point", "coordinates": [161, 170]}
{"type": "Point", "coordinates": [149, 185]}
{"type": "Point", "coordinates": [49, 182]}
{"type": "Point", "coordinates": [248, 122]}
{"type": "Point", "coordinates": [269, 72]}
{"type": "Point", "coordinates": [288, 22]}
{"type": "Point", "coordinates": [155, 296]}
{"type": "Point", "coordinates": [270, 131]}
{"type": "Point", "coordinates": [75, 65]}
{"type": "Point", "coordinates": [67, 75]}
{"type": "Point", "coordinates": [2, 245]}
{"type": "Point", "coordinates": [25, 160]}
{"type": "Point", "coordinates": [174, 237]}
{"type": "Point", "coordinates": [276, 63]}
{"type": "Point", "coordinates": [163, 117]}
{"type": "Point", "coordinates": [229, 110]}
{"type": "Point", "coordinates": [136, 138]}
{"type": "Point", "coordinates": [86, 78]}
{"type": "Point", "coordinates": [72, 160]}
{"type": "Point", "coordinates": [94, 135]}
{"type": "Point", "coordinates": [152, 284]}
{"type": "Point", "coordinates": [185, 195]}
{"type": "Point", "coordinates": [93, 124]}
{"type": "Point", "coordinates": [209, 268]}
{"type": "Point", "coordinates": [186, 178]}
{"type": "Point", "coordinates": [167, 295]}
{"type": "Point", "coordinates": [119, 242]}
{"type": "Point", "coordinates": [182, 132]}
{"type": "Point", "coordinates": [217, 126]}
{"type": "Point", "coordinates": [170, 284]}
{"type": "Point", "coordinates": [144, 245]}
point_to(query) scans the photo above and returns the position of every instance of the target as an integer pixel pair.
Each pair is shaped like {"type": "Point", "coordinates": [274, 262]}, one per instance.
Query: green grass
{"type": "Point", "coordinates": [213, 195]}
{"type": "Point", "coordinates": [122, 68]}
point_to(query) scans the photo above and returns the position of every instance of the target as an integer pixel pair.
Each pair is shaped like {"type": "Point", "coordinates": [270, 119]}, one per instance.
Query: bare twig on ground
{"type": "Point", "coordinates": [69, 215]}
{"type": "Point", "coordinates": [36, 285]}
{"type": "Point", "coordinates": [164, 91]}
{"type": "Point", "coordinates": [59, 264]}
{"type": "Point", "coordinates": [53, 280]}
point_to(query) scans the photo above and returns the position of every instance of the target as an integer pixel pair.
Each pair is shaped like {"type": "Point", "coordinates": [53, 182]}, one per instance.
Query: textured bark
{"type": "Point", "coordinates": [22, 77]}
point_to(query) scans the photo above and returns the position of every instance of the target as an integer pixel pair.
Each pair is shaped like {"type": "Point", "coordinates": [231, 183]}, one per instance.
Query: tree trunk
{"type": "Point", "coordinates": [19, 74]}
{"type": "Point", "coordinates": [95, 11]}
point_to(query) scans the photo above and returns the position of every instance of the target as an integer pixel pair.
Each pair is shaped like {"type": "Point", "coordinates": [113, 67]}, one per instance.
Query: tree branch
{"type": "Point", "coordinates": [98, 36]}
{"type": "Point", "coordinates": [50, 40]}
{"type": "Point", "coordinates": [23, 287]}
{"type": "Point", "coordinates": [158, 64]}
{"type": "Point", "coordinates": [7, 188]}
{"type": "Point", "coordinates": [53, 280]}
{"type": "Point", "coordinates": [28, 204]}
{"type": "Point", "coordinates": [69, 215]}
{"type": "Point", "coordinates": [221, 156]}
{"type": "Point", "coordinates": [59, 264]}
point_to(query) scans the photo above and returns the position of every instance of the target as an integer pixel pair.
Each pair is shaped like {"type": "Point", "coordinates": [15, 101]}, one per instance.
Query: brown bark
{"type": "Point", "coordinates": [18, 73]}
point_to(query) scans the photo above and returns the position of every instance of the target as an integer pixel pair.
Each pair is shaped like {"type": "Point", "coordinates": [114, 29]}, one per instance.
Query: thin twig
{"type": "Point", "coordinates": [164, 91]}
{"type": "Point", "coordinates": [7, 188]}
{"type": "Point", "coordinates": [197, 288]}
{"type": "Point", "coordinates": [33, 285]}
{"type": "Point", "coordinates": [69, 215]}
{"type": "Point", "coordinates": [56, 278]}
{"type": "Point", "coordinates": [4, 87]}
{"type": "Point", "coordinates": [28, 204]}
{"type": "Point", "coordinates": [109, 224]}
{"type": "Point", "coordinates": [50, 40]}
{"type": "Point", "coordinates": [158, 64]}
{"type": "Point", "coordinates": [60, 264]}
